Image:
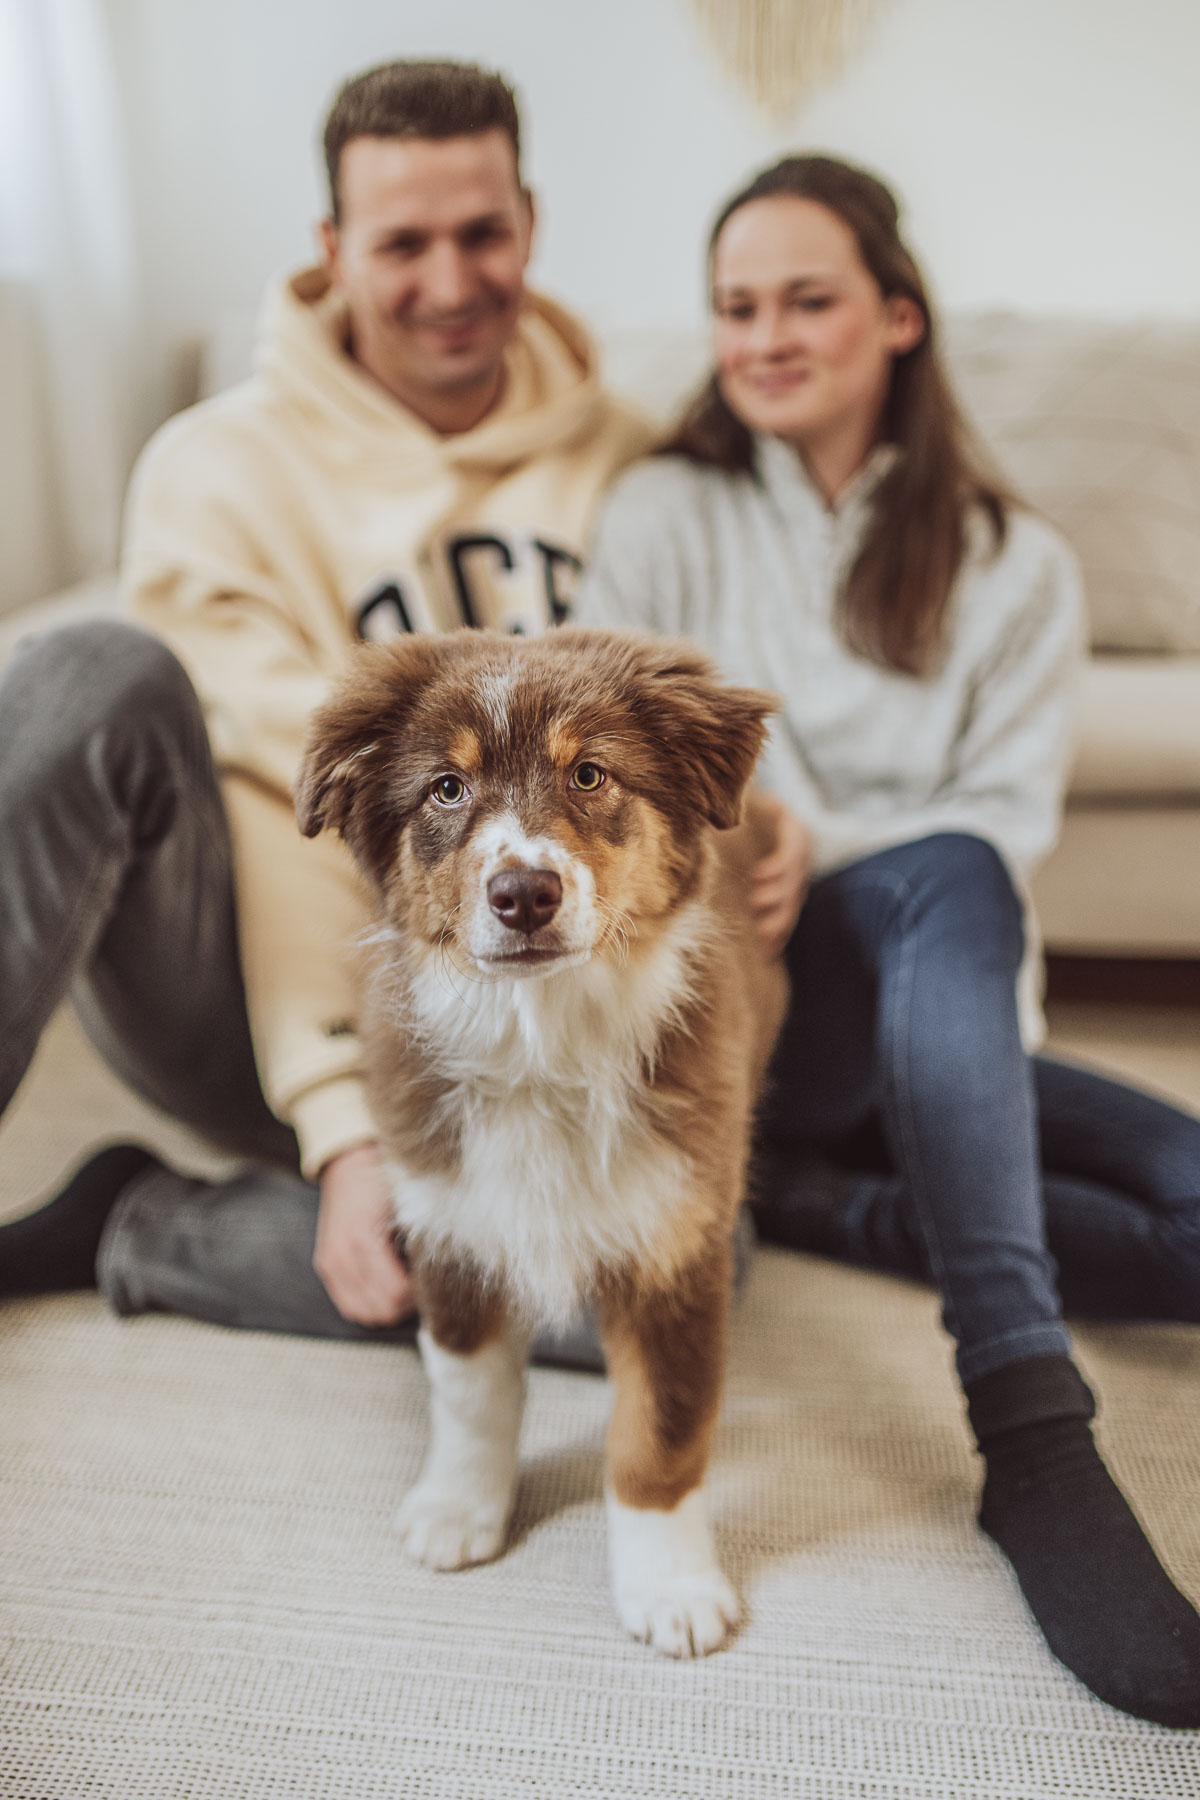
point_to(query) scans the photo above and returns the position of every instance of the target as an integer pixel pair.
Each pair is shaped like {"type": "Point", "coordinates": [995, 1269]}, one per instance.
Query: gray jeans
{"type": "Point", "coordinates": [116, 889]}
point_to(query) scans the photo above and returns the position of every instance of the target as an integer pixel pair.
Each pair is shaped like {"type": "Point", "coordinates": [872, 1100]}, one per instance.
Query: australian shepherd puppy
{"type": "Point", "coordinates": [566, 1017]}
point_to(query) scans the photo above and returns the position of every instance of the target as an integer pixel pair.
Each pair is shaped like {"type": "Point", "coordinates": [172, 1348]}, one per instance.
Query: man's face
{"type": "Point", "coordinates": [430, 255]}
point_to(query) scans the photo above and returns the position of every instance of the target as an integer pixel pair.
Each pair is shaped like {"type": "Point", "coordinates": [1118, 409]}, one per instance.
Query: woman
{"type": "Point", "coordinates": [823, 524]}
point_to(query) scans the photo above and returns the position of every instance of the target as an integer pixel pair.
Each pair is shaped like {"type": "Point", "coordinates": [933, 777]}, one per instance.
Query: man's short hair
{"type": "Point", "coordinates": [418, 100]}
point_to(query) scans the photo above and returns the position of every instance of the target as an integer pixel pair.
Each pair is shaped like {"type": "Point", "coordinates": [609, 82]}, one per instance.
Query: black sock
{"type": "Point", "coordinates": [54, 1249]}
{"type": "Point", "coordinates": [1106, 1605]}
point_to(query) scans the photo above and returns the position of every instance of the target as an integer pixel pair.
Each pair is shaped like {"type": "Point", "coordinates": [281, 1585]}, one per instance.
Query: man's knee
{"type": "Point", "coordinates": [100, 672]}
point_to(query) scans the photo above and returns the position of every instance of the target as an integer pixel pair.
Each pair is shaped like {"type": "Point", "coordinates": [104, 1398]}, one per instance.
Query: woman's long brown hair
{"type": "Point", "coordinates": [894, 602]}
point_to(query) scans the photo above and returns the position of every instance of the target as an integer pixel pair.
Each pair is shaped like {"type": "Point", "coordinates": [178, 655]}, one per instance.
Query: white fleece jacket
{"type": "Point", "coordinates": [270, 529]}
{"type": "Point", "coordinates": [866, 756]}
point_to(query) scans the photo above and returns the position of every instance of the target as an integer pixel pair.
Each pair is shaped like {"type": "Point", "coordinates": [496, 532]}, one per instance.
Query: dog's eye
{"type": "Point", "coordinates": [587, 778]}
{"type": "Point", "coordinates": [448, 790]}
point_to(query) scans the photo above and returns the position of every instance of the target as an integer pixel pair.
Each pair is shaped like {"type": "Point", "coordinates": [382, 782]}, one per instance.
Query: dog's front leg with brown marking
{"type": "Point", "coordinates": [474, 1357]}
{"type": "Point", "coordinates": [666, 1356]}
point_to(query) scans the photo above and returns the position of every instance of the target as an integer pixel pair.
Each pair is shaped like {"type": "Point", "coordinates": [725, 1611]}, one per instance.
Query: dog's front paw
{"type": "Point", "coordinates": [449, 1532]}
{"type": "Point", "coordinates": [681, 1615]}
{"type": "Point", "coordinates": [667, 1583]}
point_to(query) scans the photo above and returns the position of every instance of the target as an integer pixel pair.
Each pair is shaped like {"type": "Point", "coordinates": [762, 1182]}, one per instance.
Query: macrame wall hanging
{"type": "Point", "coordinates": [779, 51]}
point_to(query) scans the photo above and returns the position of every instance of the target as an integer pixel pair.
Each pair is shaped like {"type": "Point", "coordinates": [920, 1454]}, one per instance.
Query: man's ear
{"type": "Point", "coordinates": [326, 234]}
{"type": "Point", "coordinates": [341, 783]}
{"type": "Point", "coordinates": [712, 732]}
{"type": "Point", "coordinates": [531, 221]}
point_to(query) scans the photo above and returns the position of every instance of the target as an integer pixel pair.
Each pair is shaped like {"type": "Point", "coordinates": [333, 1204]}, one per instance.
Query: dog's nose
{"type": "Point", "coordinates": [524, 899]}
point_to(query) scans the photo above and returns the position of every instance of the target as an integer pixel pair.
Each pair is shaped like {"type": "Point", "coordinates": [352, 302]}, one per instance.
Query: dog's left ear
{"type": "Point", "coordinates": [715, 732]}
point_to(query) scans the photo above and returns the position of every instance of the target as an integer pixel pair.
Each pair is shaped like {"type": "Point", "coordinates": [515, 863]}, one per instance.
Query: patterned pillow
{"type": "Point", "coordinates": [1098, 425]}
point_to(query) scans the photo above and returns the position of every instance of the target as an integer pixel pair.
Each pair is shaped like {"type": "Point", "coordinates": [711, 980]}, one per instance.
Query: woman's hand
{"type": "Point", "coordinates": [355, 1253]}
{"type": "Point", "coordinates": [780, 881]}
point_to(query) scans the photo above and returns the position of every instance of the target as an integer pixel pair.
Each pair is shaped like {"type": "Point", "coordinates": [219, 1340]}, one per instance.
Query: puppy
{"type": "Point", "coordinates": [566, 1017]}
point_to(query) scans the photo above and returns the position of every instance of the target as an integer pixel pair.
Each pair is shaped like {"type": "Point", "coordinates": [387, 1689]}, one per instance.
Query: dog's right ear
{"type": "Point", "coordinates": [343, 735]}
{"type": "Point", "coordinates": [340, 784]}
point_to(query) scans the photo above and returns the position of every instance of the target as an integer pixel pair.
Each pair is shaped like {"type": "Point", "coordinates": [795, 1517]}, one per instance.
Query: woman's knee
{"type": "Point", "coordinates": [959, 858]}
{"type": "Point", "coordinates": [953, 886]}
{"type": "Point", "coordinates": [956, 877]}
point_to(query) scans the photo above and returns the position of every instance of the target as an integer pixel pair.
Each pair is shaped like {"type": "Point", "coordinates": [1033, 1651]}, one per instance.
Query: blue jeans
{"type": "Point", "coordinates": [1011, 1182]}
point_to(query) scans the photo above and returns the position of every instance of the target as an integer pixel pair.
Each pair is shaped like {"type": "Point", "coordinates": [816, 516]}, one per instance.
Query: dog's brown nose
{"type": "Point", "coordinates": [524, 899]}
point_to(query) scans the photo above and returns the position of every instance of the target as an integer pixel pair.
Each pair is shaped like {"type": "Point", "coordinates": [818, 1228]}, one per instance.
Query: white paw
{"type": "Point", "coordinates": [667, 1583]}
{"type": "Point", "coordinates": [682, 1615]}
{"type": "Point", "coordinates": [448, 1531]}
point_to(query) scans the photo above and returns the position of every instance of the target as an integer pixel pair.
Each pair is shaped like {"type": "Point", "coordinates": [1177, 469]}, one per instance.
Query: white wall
{"type": "Point", "coordinates": [1047, 150]}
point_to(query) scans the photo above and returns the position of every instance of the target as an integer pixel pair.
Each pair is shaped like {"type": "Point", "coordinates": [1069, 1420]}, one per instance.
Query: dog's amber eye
{"type": "Point", "coordinates": [448, 790]}
{"type": "Point", "coordinates": [587, 778]}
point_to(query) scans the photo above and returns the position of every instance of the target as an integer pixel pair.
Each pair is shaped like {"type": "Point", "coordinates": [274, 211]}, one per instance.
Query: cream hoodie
{"type": "Point", "coordinates": [271, 528]}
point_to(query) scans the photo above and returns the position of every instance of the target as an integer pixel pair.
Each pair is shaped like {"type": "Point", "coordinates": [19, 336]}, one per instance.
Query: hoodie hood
{"type": "Point", "coordinates": [552, 395]}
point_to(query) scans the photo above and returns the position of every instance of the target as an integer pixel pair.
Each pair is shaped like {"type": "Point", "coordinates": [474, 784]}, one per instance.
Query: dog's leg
{"type": "Point", "coordinates": [666, 1359]}
{"type": "Point", "coordinates": [459, 1510]}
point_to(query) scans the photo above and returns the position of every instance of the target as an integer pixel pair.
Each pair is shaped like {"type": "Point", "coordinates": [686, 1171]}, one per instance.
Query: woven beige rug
{"type": "Point", "coordinates": [201, 1599]}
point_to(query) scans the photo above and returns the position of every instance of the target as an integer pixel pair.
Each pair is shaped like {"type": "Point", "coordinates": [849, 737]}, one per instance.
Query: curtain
{"type": "Point", "coordinates": [67, 298]}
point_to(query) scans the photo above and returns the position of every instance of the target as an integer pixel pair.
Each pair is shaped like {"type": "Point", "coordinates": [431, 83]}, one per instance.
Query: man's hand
{"type": "Point", "coordinates": [780, 881]}
{"type": "Point", "coordinates": [355, 1254]}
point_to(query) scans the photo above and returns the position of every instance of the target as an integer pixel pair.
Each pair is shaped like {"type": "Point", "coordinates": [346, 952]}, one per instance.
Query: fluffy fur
{"type": "Point", "coordinates": [566, 1017]}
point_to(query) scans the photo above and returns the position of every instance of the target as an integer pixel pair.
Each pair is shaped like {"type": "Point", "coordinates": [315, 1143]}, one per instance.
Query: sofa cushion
{"type": "Point", "coordinates": [1122, 882]}
{"type": "Point", "coordinates": [1099, 426]}
{"type": "Point", "coordinates": [1138, 729]}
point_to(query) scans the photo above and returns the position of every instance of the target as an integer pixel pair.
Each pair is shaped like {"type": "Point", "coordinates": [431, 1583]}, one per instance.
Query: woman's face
{"type": "Point", "coordinates": [804, 338]}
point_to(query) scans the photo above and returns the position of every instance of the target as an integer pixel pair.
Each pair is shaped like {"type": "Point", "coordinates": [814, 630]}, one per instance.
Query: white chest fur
{"type": "Point", "coordinates": [561, 1174]}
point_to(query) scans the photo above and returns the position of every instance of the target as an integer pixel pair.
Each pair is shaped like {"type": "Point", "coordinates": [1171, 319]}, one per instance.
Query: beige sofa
{"type": "Point", "coordinates": [1099, 425]}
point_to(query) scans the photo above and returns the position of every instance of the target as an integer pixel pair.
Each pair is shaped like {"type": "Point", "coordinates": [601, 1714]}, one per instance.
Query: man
{"type": "Point", "coordinates": [422, 447]}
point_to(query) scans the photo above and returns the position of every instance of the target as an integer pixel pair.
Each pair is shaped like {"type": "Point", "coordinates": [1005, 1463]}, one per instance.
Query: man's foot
{"type": "Point", "coordinates": [1106, 1605]}
{"type": "Point", "coordinates": [54, 1249]}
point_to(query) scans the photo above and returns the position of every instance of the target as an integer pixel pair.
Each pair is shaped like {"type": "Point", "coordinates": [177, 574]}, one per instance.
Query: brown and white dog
{"type": "Point", "coordinates": [567, 1017]}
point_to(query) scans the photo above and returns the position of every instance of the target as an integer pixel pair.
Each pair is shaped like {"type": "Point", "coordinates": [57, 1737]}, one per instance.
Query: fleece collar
{"type": "Point", "coordinates": [799, 500]}
{"type": "Point", "coordinates": [552, 394]}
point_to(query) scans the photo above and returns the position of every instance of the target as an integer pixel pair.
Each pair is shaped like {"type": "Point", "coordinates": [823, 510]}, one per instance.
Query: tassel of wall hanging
{"type": "Point", "coordinates": [777, 51]}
